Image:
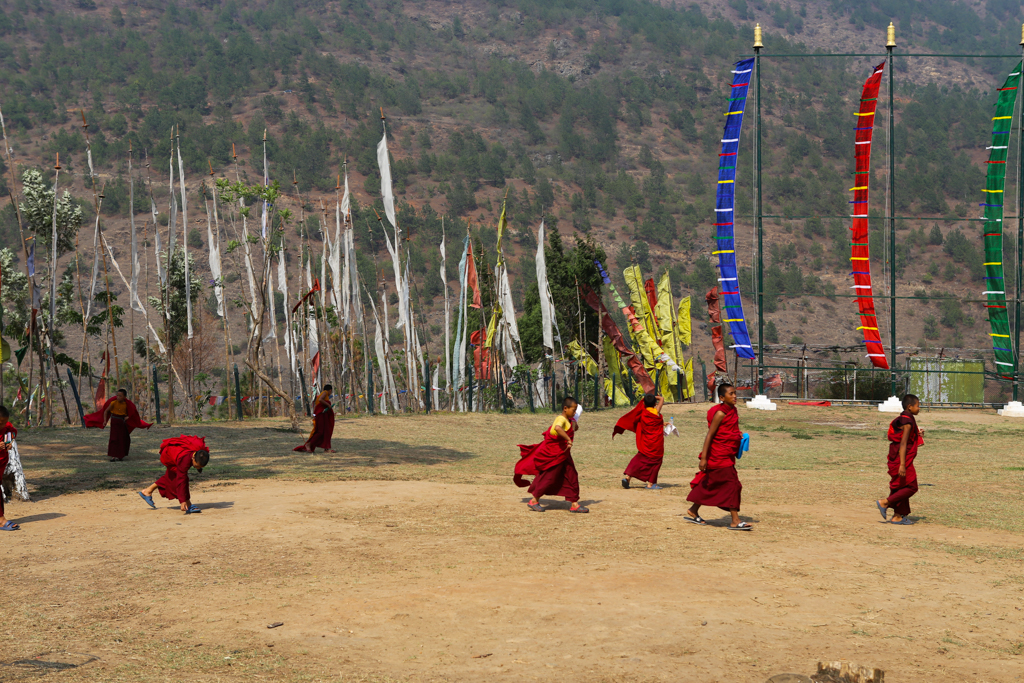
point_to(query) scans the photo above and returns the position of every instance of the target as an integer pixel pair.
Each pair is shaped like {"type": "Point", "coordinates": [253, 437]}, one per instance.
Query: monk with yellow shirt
{"type": "Point", "coordinates": [123, 417]}
{"type": "Point", "coordinates": [550, 461]}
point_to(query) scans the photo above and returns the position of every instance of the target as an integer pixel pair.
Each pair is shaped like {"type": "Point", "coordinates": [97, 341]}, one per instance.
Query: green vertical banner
{"type": "Point", "coordinates": [995, 289]}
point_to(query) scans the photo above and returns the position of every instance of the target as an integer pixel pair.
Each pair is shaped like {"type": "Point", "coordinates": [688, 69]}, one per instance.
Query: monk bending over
{"type": "Point", "coordinates": [178, 455]}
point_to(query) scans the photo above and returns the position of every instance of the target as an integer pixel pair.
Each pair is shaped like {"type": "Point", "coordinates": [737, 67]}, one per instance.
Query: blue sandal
{"type": "Point", "coordinates": [148, 499]}
{"type": "Point", "coordinates": [536, 507]}
{"type": "Point", "coordinates": [883, 510]}
{"type": "Point", "coordinates": [579, 509]}
{"type": "Point", "coordinates": [903, 522]}
{"type": "Point", "coordinates": [625, 483]}
{"type": "Point", "coordinates": [696, 519]}
{"type": "Point", "coordinates": [653, 487]}
{"type": "Point", "coordinates": [193, 510]}
{"type": "Point", "coordinates": [10, 526]}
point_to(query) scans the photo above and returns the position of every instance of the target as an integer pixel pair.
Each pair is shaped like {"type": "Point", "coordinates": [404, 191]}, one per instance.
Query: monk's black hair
{"type": "Point", "coordinates": [569, 401]}
{"type": "Point", "coordinates": [328, 387]}
{"type": "Point", "coordinates": [722, 388]}
{"type": "Point", "coordinates": [203, 458]}
{"type": "Point", "coordinates": [123, 391]}
{"type": "Point", "coordinates": [650, 400]}
{"type": "Point", "coordinates": [910, 400]}
{"type": "Point", "coordinates": [4, 413]}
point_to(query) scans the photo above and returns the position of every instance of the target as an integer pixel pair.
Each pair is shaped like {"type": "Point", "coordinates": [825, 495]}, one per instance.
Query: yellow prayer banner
{"type": "Point", "coordinates": [683, 322]}
{"type": "Point", "coordinates": [689, 378]}
{"type": "Point", "coordinates": [576, 351]}
{"type": "Point", "coordinates": [491, 327]}
{"type": "Point", "coordinates": [621, 399]}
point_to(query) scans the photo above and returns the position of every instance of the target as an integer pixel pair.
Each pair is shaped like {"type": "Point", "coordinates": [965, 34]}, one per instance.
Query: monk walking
{"type": "Point", "coordinates": [7, 435]}
{"type": "Point", "coordinates": [178, 455]}
{"type": "Point", "coordinates": [123, 417]}
{"type": "Point", "coordinates": [646, 420]}
{"type": "Point", "coordinates": [323, 424]}
{"type": "Point", "coordinates": [904, 439]}
{"type": "Point", "coordinates": [550, 462]}
{"type": "Point", "coordinates": [717, 482]}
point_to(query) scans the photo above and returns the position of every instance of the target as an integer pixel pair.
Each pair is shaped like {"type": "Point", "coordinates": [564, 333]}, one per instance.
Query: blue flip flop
{"type": "Point", "coordinates": [653, 487]}
{"type": "Point", "coordinates": [148, 499]}
{"type": "Point", "coordinates": [884, 511]}
{"type": "Point", "coordinates": [193, 510]}
{"type": "Point", "coordinates": [903, 522]}
{"type": "Point", "coordinates": [625, 483]}
{"type": "Point", "coordinates": [9, 526]}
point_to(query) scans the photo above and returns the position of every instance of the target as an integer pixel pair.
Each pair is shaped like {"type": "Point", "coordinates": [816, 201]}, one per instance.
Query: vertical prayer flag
{"type": "Point", "coordinates": [995, 289]}
{"type": "Point", "coordinates": [725, 203]}
{"type": "Point", "coordinates": [859, 256]}
{"type": "Point", "coordinates": [472, 281]}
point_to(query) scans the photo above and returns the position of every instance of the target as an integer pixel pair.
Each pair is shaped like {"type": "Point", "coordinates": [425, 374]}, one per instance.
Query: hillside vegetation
{"type": "Point", "coordinates": [602, 115]}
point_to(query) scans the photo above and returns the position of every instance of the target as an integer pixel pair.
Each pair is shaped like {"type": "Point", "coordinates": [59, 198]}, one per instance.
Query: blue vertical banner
{"type": "Point", "coordinates": [725, 210]}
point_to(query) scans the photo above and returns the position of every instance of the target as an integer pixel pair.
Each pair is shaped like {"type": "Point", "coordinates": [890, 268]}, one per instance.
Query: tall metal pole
{"type": "Point", "coordinates": [758, 223]}
{"type": "Point", "coordinates": [1020, 234]}
{"type": "Point", "coordinates": [890, 43]}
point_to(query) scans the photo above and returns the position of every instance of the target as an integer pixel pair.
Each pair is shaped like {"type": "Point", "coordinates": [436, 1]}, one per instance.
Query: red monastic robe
{"type": "Point", "coordinates": [323, 428]}
{"type": "Point", "coordinates": [550, 462]}
{"type": "Point", "coordinates": [4, 457]}
{"type": "Point", "coordinates": [120, 429]}
{"type": "Point", "coordinates": [719, 485]}
{"type": "Point", "coordinates": [649, 426]}
{"type": "Point", "coordinates": [176, 455]}
{"type": "Point", "coordinates": [902, 488]}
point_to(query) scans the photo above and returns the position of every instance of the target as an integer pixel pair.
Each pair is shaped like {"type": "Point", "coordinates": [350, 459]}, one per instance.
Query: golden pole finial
{"type": "Point", "coordinates": [757, 37]}
{"type": "Point", "coordinates": [890, 36]}
{"type": "Point", "coordinates": [58, 162]}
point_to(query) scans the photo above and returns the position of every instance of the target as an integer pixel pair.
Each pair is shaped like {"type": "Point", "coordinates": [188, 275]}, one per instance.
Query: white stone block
{"type": "Point", "coordinates": [891, 405]}
{"type": "Point", "coordinates": [761, 402]}
{"type": "Point", "coordinates": [1012, 409]}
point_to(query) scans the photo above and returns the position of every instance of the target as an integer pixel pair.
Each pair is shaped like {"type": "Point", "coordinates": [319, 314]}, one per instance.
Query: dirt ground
{"type": "Point", "coordinates": [409, 556]}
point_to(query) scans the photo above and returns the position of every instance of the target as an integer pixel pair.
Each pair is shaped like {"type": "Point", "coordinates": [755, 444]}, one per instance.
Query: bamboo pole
{"type": "Point", "coordinates": [223, 293]}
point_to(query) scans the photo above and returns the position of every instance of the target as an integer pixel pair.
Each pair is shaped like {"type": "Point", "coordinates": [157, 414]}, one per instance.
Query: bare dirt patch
{"type": "Point", "coordinates": [409, 555]}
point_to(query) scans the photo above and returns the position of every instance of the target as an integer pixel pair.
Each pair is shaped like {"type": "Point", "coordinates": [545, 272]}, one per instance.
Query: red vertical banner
{"type": "Point", "coordinates": [859, 256]}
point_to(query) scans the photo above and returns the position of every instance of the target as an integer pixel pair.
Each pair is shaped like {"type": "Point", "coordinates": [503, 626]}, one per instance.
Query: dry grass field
{"type": "Point", "coordinates": [408, 555]}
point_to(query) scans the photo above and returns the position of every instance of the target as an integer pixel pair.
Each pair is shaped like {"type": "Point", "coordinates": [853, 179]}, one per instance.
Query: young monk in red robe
{"type": "Point", "coordinates": [646, 420]}
{"type": "Point", "coordinates": [323, 424]}
{"type": "Point", "coordinates": [550, 461]}
{"type": "Point", "coordinates": [7, 433]}
{"type": "Point", "coordinates": [123, 417]}
{"type": "Point", "coordinates": [904, 439]}
{"type": "Point", "coordinates": [178, 455]}
{"type": "Point", "coordinates": [717, 482]}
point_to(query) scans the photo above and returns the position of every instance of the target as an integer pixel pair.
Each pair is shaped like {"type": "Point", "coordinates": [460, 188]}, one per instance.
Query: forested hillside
{"type": "Point", "coordinates": [604, 116]}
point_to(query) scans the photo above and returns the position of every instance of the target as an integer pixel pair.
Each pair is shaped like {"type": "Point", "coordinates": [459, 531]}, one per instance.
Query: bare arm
{"type": "Point", "coordinates": [716, 421]}
{"type": "Point", "coordinates": [661, 402]}
{"type": "Point", "coordinates": [904, 440]}
{"type": "Point", "coordinates": [106, 413]}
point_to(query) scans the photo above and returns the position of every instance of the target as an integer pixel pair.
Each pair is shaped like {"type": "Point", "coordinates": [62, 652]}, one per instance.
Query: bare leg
{"type": "Point", "coordinates": [735, 517]}
{"type": "Point", "coordinates": [149, 490]}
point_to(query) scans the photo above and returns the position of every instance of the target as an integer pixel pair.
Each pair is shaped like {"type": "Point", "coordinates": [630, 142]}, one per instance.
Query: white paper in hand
{"type": "Point", "coordinates": [579, 411]}
{"type": "Point", "coordinates": [671, 429]}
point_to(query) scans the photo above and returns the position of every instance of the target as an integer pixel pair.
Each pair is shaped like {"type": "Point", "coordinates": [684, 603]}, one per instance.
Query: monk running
{"type": "Point", "coordinates": [123, 417]}
{"type": "Point", "coordinates": [178, 455]}
{"type": "Point", "coordinates": [550, 461]}
{"type": "Point", "coordinates": [323, 424]}
{"type": "Point", "coordinates": [904, 439]}
{"type": "Point", "coordinates": [717, 482]}
{"type": "Point", "coordinates": [7, 434]}
{"type": "Point", "coordinates": [646, 420]}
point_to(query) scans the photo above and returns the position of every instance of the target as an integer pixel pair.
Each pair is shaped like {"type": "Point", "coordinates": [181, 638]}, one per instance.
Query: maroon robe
{"type": "Point", "coordinates": [550, 462]}
{"type": "Point", "coordinates": [120, 428]}
{"type": "Point", "coordinates": [176, 455]}
{"type": "Point", "coordinates": [323, 429]}
{"type": "Point", "coordinates": [650, 442]}
{"type": "Point", "coordinates": [902, 488]}
{"type": "Point", "coordinates": [719, 485]}
{"type": "Point", "coordinates": [4, 457]}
